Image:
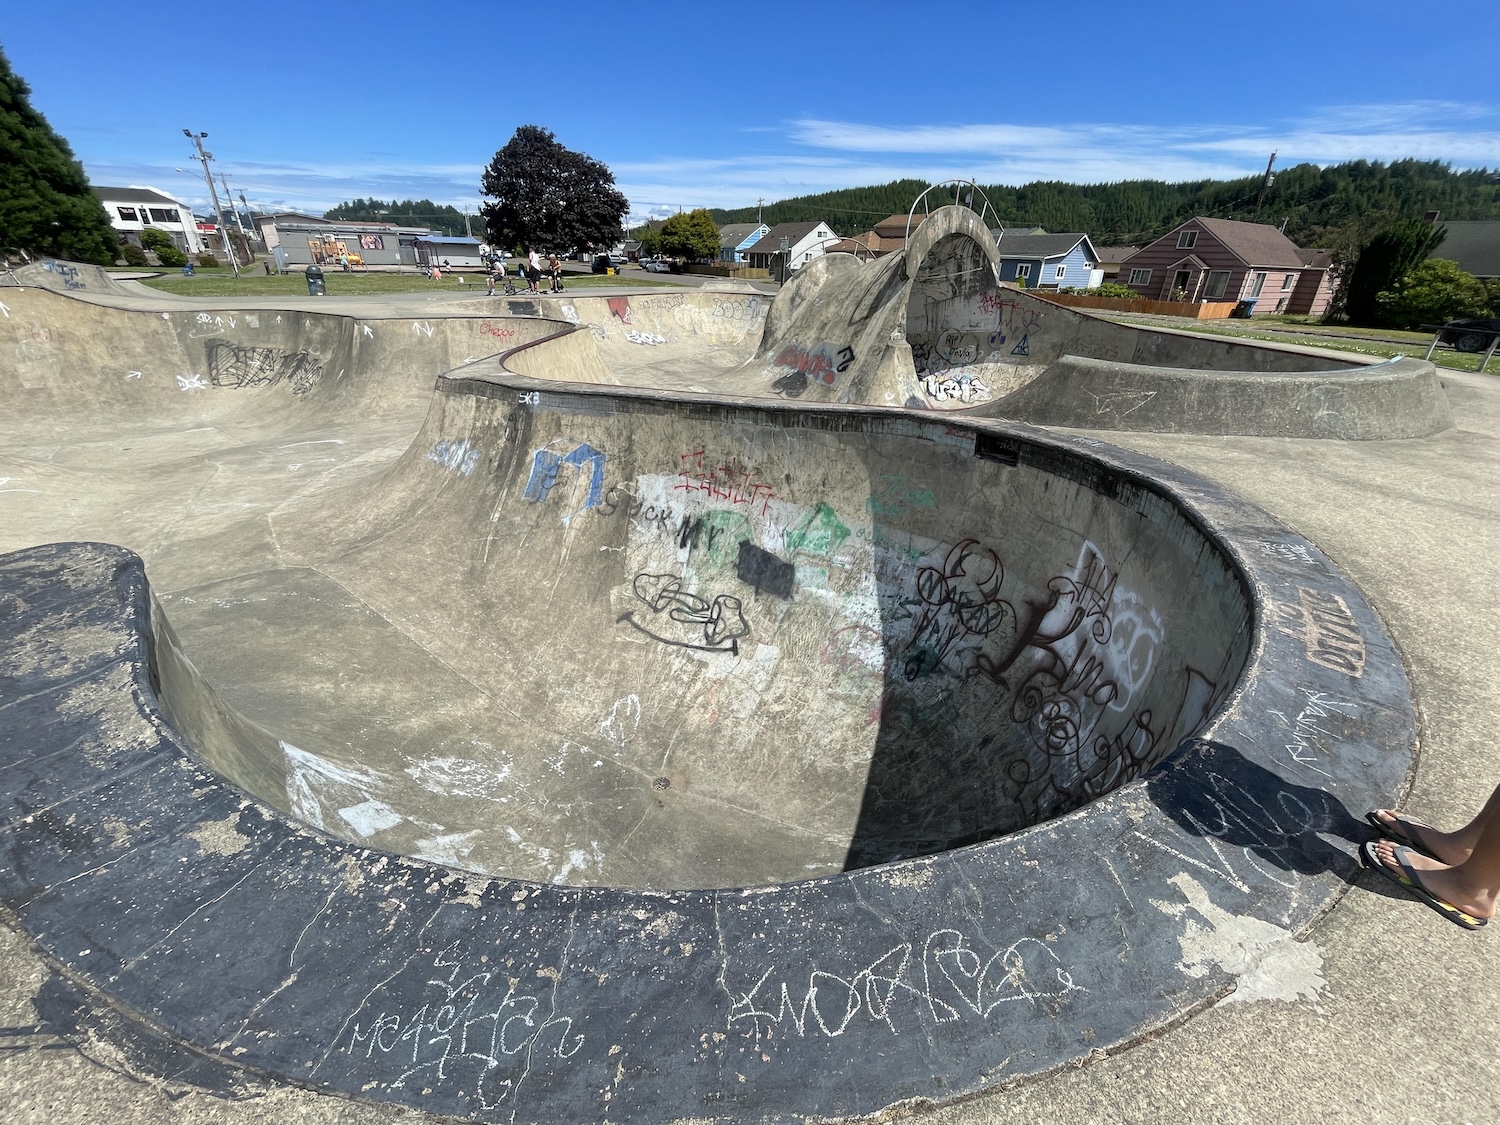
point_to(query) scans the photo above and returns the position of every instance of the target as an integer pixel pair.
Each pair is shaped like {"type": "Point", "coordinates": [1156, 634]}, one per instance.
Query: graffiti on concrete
{"type": "Point", "coordinates": [69, 274]}
{"type": "Point", "coordinates": [948, 978]}
{"type": "Point", "coordinates": [588, 466]}
{"type": "Point", "coordinates": [455, 456]}
{"type": "Point", "coordinates": [728, 480]}
{"type": "Point", "coordinates": [230, 365]}
{"type": "Point", "coordinates": [818, 364]}
{"type": "Point", "coordinates": [764, 571]}
{"type": "Point", "coordinates": [685, 620]}
{"type": "Point", "coordinates": [1328, 631]}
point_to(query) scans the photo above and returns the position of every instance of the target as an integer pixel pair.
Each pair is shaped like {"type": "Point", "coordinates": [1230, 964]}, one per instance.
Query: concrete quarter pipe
{"type": "Point", "coordinates": [813, 758]}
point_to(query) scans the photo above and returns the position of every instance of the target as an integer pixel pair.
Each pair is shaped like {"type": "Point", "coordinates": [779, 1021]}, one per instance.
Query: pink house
{"type": "Point", "coordinates": [1227, 260]}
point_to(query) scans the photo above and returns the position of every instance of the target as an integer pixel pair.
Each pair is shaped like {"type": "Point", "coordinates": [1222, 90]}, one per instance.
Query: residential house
{"type": "Point", "coordinates": [736, 238]}
{"type": "Point", "coordinates": [1110, 258]}
{"type": "Point", "coordinates": [1314, 291]}
{"type": "Point", "coordinates": [1049, 261]}
{"type": "Point", "coordinates": [804, 242]}
{"type": "Point", "coordinates": [1475, 246]}
{"type": "Point", "coordinates": [132, 210]}
{"type": "Point", "coordinates": [1220, 260]}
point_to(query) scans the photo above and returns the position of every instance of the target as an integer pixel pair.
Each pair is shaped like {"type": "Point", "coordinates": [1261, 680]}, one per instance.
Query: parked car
{"type": "Point", "coordinates": [655, 265]}
{"type": "Point", "coordinates": [1472, 334]}
{"type": "Point", "coordinates": [601, 263]}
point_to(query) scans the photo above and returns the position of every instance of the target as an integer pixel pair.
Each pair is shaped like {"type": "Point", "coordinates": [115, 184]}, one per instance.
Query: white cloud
{"type": "Point", "coordinates": [812, 155]}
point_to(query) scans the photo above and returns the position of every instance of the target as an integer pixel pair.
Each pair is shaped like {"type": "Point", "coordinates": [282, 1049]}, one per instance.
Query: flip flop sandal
{"type": "Point", "coordinates": [1408, 880]}
{"type": "Point", "coordinates": [1400, 830]}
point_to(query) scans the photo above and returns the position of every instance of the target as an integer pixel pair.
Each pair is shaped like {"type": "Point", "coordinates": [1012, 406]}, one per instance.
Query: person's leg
{"type": "Point", "coordinates": [1450, 847]}
{"type": "Point", "coordinates": [1472, 885]}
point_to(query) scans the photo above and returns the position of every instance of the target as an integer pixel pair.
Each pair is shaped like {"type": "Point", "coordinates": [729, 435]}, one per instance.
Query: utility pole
{"type": "Point", "coordinates": [1265, 185]}
{"type": "Point", "coordinates": [204, 158]}
{"type": "Point", "coordinates": [233, 210]}
{"type": "Point", "coordinates": [468, 232]}
{"type": "Point", "coordinates": [758, 202]}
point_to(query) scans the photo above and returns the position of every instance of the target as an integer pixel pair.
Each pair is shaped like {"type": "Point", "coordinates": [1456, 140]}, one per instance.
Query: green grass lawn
{"type": "Point", "coordinates": [1311, 337]}
{"type": "Point", "coordinates": [223, 283]}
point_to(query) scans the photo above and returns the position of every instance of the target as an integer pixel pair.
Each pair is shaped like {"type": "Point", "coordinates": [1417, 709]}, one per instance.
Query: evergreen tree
{"type": "Point", "coordinates": [1385, 260]}
{"type": "Point", "coordinates": [46, 207]}
{"type": "Point", "coordinates": [549, 197]}
{"type": "Point", "coordinates": [407, 213]}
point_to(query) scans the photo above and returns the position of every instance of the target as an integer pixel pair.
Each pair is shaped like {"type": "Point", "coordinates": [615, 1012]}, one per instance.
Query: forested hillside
{"type": "Point", "coordinates": [1315, 202]}
{"type": "Point", "coordinates": [406, 213]}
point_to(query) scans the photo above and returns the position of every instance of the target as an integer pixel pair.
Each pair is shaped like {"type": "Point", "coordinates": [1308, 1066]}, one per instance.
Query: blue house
{"type": "Point", "coordinates": [736, 238]}
{"type": "Point", "coordinates": [1049, 261]}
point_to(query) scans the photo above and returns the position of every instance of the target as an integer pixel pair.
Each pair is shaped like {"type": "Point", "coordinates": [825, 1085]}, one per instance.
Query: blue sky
{"type": "Point", "coordinates": [698, 104]}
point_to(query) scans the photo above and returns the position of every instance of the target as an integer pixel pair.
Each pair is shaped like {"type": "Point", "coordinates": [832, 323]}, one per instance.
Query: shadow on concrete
{"type": "Point", "coordinates": [1211, 789]}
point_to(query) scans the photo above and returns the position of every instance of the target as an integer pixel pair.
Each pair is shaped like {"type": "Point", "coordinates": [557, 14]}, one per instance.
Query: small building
{"type": "Point", "coordinates": [1220, 260]}
{"type": "Point", "coordinates": [736, 238]}
{"type": "Point", "coordinates": [1110, 258]}
{"type": "Point", "coordinates": [306, 240]}
{"type": "Point", "coordinates": [1475, 246]}
{"type": "Point", "coordinates": [805, 241]}
{"type": "Point", "coordinates": [448, 250]}
{"type": "Point", "coordinates": [132, 210]}
{"type": "Point", "coordinates": [1049, 261]}
{"type": "Point", "coordinates": [1314, 290]}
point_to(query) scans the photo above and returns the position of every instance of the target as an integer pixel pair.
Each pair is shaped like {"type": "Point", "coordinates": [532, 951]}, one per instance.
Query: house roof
{"type": "Point", "coordinates": [732, 234]}
{"type": "Point", "coordinates": [894, 226]}
{"type": "Point", "coordinates": [1475, 246]}
{"type": "Point", "coordinates": [1115, 254]}
{"type": "Point", "coordinates": [1316, 259]}
{"type": "Point", "coordinates": [133, 195]}
{"type": "Point", "coordinates": [770, 242]}
{"type": "Point", "coordinates": [1258, 244]}
{"type": "Point", "coordinates": [450, 240]}
{"type": "Point", "coordinates": [1032, 246]}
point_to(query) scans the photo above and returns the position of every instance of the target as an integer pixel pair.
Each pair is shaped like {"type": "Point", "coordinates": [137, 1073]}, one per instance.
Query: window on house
{"type": "Point", "coordinates": [164, 215]}
{"type": "Point", "coordinates": [1260, 283]}
{"type": "Point", "coordinates": [127, 214]}
{"type": "Point", "coordinates": [1140, 277]}
{"type": "Point", "coordinates": [1062, 272]}
{"type": "Point", "coordinates": [1288, 281]}
{"type": "Point", "coordinates": [1218, 282]}
{"type": "Point", "coordinates": [1023, 270]}
{"type": "Point", "coordinates": [1187, 239]}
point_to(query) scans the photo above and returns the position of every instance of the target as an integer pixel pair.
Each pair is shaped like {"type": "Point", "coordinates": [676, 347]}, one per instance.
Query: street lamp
{"type": "Point", "coordinates": [204, 158]}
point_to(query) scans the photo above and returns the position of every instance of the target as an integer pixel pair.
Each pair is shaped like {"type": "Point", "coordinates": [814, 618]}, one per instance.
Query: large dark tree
{"type": "Point", "coordinates": [549, 197]}
{"type": "Point", "coordinates": [1385, 260]}
{"type": "Point", "coordinates": [46, 207]}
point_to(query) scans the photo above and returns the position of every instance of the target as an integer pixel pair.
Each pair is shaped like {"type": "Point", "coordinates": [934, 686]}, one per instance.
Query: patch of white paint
{"type": "Point", "coordinates": [451, 849]}
{"type": "Point", "coordinates": [1266, 961]}
{"type": "Point", "coordinates": [370, 817]}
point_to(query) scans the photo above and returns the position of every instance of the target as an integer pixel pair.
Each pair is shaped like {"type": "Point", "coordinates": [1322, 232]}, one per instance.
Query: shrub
{"type": "Point", "coordinates": [133, 254]}
{"type": "Point", "coordinates": [153, 239]}
{"type": "Point", "coordinates": [1108, 289]}
{"type": "Point", "coordinates": [170, 256]}
{"type": "Point", "coordinates": [1436, 292]}
{"type": "Point", "coordinates": [208, 261]}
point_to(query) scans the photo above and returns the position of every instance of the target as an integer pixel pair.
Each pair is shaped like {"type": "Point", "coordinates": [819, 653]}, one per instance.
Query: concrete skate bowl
{"type": "Point", "coordinates": [932, 328]}
{"type": "Point", "coordinates": [750, 630]}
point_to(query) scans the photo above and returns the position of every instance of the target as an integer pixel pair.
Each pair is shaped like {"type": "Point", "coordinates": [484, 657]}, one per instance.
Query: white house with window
{"type": "Point", "coordinates": [1049, 261]}
{"type": "Point", "coordinates": [132, 210]}
{"type": "Point", "coordinates": [804, 242]}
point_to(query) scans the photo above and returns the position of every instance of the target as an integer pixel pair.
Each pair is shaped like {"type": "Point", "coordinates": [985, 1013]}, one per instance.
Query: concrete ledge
{"type": "Point", "coordinates": [241, 936]}
{"type": "Point", "coordinates": [1400, 398]}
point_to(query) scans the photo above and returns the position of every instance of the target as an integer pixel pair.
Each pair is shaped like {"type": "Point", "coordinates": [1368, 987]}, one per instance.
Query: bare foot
{"type": "Point", "coordinates": [1443, 881]}
{"type": "Point", "coordinates": [1451, 847]}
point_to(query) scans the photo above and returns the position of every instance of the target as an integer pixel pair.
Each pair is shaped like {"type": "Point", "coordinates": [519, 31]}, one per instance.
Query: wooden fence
{"type": "Point", "coordinates": [1198, 310]}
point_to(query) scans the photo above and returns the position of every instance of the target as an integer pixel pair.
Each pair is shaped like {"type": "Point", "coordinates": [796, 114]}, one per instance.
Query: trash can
{"type": "Point", "coordinates": [1243, 309]}
{"type": "Point", "coordinates": [187, 269]}
{"type": "Point", "coordinates": [315, 282]}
